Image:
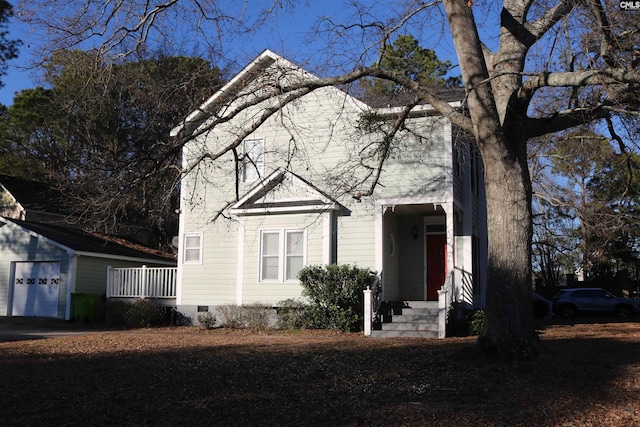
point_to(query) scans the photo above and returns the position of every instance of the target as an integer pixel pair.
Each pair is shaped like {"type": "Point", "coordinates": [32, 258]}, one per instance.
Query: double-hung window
{"type": "Point", "coordinates": [282, 255]}
{"type": "Point", "coordinates": [192, 253]}
{"type": "Point", "coordinates": [253, 160]}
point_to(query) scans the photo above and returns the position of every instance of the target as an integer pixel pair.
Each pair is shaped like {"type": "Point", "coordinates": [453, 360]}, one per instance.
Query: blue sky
{"type": "Point", "coordinates": [288, 35]}
{"type": "Point", "coordinates": [17, 78]}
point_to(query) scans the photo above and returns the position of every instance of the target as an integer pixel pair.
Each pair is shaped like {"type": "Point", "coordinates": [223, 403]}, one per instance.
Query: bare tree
{"type": "Point", "coordinates": [540, 67]}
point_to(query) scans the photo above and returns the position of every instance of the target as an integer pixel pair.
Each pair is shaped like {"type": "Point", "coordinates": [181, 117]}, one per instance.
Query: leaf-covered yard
{"type": "Point", "coordinates": [588, 376]}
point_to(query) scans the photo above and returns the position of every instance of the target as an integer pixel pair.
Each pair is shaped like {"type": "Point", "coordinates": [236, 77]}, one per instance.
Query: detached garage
{"type": "Point", "coordinates": [41, 265]}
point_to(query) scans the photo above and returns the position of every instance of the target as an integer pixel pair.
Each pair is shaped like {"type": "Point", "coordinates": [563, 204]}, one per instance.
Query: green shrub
{"type": "Point", "coordinates": [144, 314]}
{"type": "Point", "coordinates": [292, 314]}
{"type": "Point", "coordinates": [138, 314]}
{"type": "Point", "coordinates": [115, 313]}
{"type": "Point", "coordinates": [335, 295]}
{"type": "Point", "coordinates": [476, 322]}
{"type": "Point", "coordinates": [207, 320]}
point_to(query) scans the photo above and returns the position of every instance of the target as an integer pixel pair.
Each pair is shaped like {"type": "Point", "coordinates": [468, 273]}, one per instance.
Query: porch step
{"type": "Point", "coordinates": [421, 304]}
{"type": "Point", "coordinates": [409, 326]}
{"type": "Point", "coordinates": [404, 334]}
{"type": "Point", "coordinates": [416, 317]}
{"type": "Point", "coordinates": [419, 319]}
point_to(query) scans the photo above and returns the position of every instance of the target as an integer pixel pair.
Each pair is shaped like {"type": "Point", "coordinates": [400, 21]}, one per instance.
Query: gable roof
{"type": "Point", "coordinates": [283, 192]}
{"type": "Point", "coordinates": [253, 71]}
{"type": "Point", "coordinates": [228, 92]}
{"type": "Point", "coordinates": [256, 68]}
{"type": "Point", "coordinates": [81, 242]}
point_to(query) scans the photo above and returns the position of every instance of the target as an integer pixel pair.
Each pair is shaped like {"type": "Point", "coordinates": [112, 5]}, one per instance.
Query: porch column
{"type": "Point", "coordinates": [449, 215]}
{"type": "Point", "coordinates": [379, 256]}
{"type": "Point", "coordinates": [378, 243]}
{"type": "Point", "coordinates": [240, 264]}
{"type": "Point", "coordinates": [368, 312]}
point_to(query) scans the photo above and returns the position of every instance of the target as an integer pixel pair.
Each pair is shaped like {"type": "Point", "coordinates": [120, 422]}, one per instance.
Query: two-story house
{"type": "Point", "coordinates": [280, 179]}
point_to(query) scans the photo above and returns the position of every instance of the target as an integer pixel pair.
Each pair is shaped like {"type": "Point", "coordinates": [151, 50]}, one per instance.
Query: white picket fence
{"type": "Point", "coordinates": [142, 282]}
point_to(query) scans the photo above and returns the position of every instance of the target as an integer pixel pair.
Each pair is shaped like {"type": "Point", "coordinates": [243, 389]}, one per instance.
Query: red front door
{"type": "Point", "coordinates": [436, 263]}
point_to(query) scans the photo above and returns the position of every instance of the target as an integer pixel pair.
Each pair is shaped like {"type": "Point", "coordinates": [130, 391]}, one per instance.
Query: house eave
{"type": "Point", "coordinates": [193, 120]}
{"type": "Point", "coordinates": [32, 233]}
{"type": "Point", "coordinates": [126, 258]}
{"type": "Point", "coordinates": [284, 210]}
{"type": "Point", "coordinates": [424, 109]}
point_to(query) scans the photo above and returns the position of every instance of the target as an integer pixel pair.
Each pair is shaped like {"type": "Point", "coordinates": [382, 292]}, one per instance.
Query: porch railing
{"type": "Point", "coordinates": [446, 296]}
{"type": "Point", "coordinates": [142, 282]}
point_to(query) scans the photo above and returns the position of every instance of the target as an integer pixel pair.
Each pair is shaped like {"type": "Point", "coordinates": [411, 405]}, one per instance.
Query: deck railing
{"type": "Point", "coordinates": [142, 282]}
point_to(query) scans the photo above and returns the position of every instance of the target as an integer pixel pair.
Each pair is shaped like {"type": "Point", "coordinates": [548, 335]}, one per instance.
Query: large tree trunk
{"type": "Point", "coordinates": [508, 329]}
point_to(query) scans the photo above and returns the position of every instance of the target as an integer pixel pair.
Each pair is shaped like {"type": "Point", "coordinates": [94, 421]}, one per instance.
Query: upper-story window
{"type": "Point", "coordinates": [192, 248]}
{"type": "Point", "coordinates": [253, 160]}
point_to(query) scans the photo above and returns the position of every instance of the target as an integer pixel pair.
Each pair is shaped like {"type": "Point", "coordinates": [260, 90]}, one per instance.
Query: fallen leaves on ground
{"type": "Point", "coordinates": [588, 375]}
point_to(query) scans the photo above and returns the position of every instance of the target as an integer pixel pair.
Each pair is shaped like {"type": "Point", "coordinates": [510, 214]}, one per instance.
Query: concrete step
{"type": "Point", "coordinates": [418, 312]}
{"type": "Point", "coordinates": [421, 304]}
{"type": "Point", "coordinates": [414, 318]}
{"type": "Point", "coordinates": [410, 326]}
{"type": "Point", "coordinates": [419, 319]}
{"type": "Point", "coordinates": [404, 334]}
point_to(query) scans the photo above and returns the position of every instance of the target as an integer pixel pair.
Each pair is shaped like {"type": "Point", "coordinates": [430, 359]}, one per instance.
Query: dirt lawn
{"type": "Point", "coordinates": [589, 375]}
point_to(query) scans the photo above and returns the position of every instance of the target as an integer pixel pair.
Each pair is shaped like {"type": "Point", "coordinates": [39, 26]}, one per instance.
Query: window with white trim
{"type": "Point", "coordinates": [282, 255]}
{"type": "Point", "coordinates": [253, 160]}
{"type": "Point", "coordinates": [192, 253]}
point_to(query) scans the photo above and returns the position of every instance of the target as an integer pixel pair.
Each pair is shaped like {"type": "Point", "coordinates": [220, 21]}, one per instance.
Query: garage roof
{"type": "Point", "coordinates": [88, 243]}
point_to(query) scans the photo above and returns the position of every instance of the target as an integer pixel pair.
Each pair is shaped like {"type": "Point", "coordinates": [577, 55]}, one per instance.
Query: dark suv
{"type": "Point", "coordinates": [568, 302]}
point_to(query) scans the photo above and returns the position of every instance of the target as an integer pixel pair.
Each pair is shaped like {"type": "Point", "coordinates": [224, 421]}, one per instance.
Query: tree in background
{"type": "Point", "coordinates": [101, 135]}
{"type": "Point", "coordinates": [612, 217]}
{"type": "Point", "coordinates": [405, 56]}
{"type": "Point", "coordinates": [576, 157]}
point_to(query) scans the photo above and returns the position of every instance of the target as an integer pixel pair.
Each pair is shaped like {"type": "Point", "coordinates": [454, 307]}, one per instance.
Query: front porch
{"type": "Point", "coordinates": [427, 255]}
{"type": "Point", "coordinates": [417, 319]}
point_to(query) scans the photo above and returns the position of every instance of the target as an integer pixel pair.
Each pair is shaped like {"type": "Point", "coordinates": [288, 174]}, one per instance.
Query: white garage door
{"type": "Point", "coordinates": [36, 287]}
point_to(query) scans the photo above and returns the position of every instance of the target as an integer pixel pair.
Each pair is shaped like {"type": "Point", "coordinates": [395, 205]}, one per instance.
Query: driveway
{"type": "Point", "coordinates": [36, 328]}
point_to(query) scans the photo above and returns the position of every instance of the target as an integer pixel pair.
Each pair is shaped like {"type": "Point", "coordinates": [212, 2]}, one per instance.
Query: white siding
{"type": "Point", "coordinates": [213, 281]}
{"type": "Point", "coordinates": [316, 138]}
